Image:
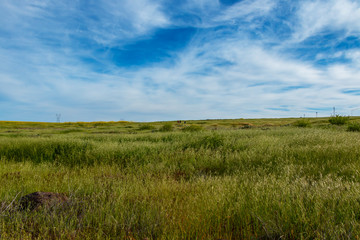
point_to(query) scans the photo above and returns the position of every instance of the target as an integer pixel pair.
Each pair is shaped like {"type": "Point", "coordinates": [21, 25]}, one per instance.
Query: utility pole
{"type": "Point", "coordinates": [333, 111]}
{"type": "Point", "coordinates": [58, 117]}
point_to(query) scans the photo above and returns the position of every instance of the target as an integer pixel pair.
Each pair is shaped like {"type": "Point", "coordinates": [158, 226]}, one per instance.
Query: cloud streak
{"type": "Point", "coordinates": [334, 15]}
{"type": "Point", "coordinates": [149, 60]}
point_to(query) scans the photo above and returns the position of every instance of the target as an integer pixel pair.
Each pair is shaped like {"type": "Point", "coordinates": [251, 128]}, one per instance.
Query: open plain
{"type": "Point", "coordinates": [208, 179]}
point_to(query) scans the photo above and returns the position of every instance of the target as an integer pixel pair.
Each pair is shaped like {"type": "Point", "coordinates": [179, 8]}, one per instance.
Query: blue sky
{"type": "Point", "coordinates": [149, 60]}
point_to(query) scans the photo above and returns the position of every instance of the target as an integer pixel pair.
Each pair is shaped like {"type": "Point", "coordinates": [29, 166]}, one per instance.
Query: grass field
{"type": "Point", "coordinates": [208, 179]}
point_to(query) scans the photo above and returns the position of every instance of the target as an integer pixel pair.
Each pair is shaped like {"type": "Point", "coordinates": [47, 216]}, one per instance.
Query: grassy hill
{"type": "Point", "coordinates": [205, 179]}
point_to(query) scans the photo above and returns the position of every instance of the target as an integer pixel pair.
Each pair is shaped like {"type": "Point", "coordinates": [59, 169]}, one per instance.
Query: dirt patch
{"type": "Point", "coordinates": [36, 200]}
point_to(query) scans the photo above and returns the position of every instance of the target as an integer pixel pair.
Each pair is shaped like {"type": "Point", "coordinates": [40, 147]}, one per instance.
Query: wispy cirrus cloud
{"type": "Point", "coordinates": [160, 60]}
{"type": "Point", "coordinates": [328, 16]}
{"type": "Point", "coordinates": [101, 21]}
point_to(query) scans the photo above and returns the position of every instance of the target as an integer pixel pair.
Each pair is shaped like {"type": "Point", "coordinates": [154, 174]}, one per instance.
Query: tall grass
{"type": "Point", "coordinates": [288, 183]}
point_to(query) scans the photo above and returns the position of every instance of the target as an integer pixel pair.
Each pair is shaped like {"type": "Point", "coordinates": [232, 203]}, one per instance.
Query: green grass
{"type": "Point", "coordinates": [167, 127]}
{"type": "Point", "coordinates": [192, 128]}
{"type": "Point", "coordinates": [270, 181]}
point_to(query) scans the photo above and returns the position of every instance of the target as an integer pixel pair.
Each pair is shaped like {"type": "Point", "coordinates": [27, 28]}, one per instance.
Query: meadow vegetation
{"type": "Point", "coordinates": [338, 120]}
{"type": "Point", "coordinates": [302, 123]}
{"type": "Point", "coordinates": [209, 179]}
{"type": "Point", "coordinates": [354, 127]}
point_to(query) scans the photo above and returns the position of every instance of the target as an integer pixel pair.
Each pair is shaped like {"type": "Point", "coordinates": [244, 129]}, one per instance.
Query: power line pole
{"type": "Point", "coordinates": [58, 117]}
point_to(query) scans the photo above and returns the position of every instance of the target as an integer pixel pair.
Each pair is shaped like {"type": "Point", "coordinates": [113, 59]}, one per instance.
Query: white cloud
{"type": "Point", "coordinates": [126, 19]}
{"type": "Point", "coordinates": [216, 76]}
{"type": "Point", "coordinates": [211, 13]}
{"type": "Point", "coordinates": [106, 22]}
{"type": "Point", "coordinates": [247, 9]}
{"type": "Point", "coordinates": [354, 55]}
{"type": "Point", "coordinates": [321, 15]}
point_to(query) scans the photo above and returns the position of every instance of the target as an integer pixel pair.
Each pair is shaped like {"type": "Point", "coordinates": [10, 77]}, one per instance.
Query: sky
{"type": "Point", "coordinates": [159, 60]}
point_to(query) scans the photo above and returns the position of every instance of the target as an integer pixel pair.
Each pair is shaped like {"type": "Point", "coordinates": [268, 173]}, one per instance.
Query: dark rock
{"type": "Point", "coordinates": [36, 200]}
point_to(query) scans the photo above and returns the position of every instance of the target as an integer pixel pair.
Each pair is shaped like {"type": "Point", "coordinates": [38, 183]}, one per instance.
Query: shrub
{"type": "Point", "coordinates": [246, 126]}
{"type": "Point", "coordinates": [338, 120]}
{"type": "Point", "coordinates": [192, 128]}
{"type": "Point", "coordinates": [167, 127]}
{"type": "Point", "coordinates": [213, 142]}
{"type": "Point", "coordinates": [354, 127]}
{"type": "Point", "coordinates": [146, 127]}
{"type": "Point", "coordinates": [302, 123]}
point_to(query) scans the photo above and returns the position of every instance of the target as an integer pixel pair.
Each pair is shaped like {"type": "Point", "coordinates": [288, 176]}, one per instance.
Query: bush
{"type": "Point", "coordinates": [192, 128]}
{"type": "Point", "coordinates": [146, 127]}
{"type": "Point", "coordinates": [246, 126]}
{"type": "Point", "coordinates": [354, 127]}
{"type": "Point", "coordinates": [167, 127]}
{"type": "Point", "coordinates": [338, 120]}
{"type": "Point", "coordinates": [302, 123]}
{"type": "Point", "coordinates": [213, 142]}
